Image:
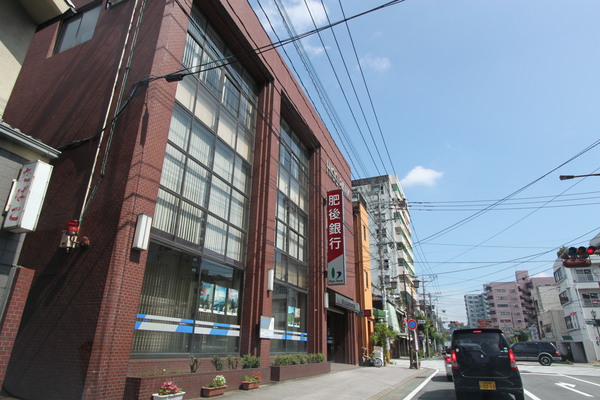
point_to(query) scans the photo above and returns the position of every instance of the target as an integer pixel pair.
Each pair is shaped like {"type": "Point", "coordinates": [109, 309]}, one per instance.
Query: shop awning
{"type": "Point", "coordinates": [393, 317]}
{"type": "Point", "coordinates": [377, 313]}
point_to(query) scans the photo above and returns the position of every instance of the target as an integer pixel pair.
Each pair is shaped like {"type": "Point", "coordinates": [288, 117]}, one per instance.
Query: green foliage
{"type": "Point", "coordinates": [316, 358]}
{"type": "Point", "coordinates": [232, 362]}
{"type": "Point", "coordinates": [520, 335]}
{"type": "Point", "coordinates": [381, 334]}
{"type": "Point", "coordinates": [250, 361]}
{"type": "Point", "coordinates": [217, 362]}
{"type": "Point", "coordinates": [297, 359]}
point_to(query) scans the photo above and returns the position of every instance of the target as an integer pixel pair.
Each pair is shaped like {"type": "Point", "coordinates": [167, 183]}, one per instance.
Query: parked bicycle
{"type": "Point", "coordinates": [368, 361]}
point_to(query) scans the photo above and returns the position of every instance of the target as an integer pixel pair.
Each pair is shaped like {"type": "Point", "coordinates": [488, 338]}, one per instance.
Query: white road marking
{"type": "Point", "coordinates": [418, 388]}
{"type": "Point", "coordinates": [531, 395]}
{"type": "Point", "coordinates": [581, 380]}
{"type": "Point", "coordinates": [571, 387]}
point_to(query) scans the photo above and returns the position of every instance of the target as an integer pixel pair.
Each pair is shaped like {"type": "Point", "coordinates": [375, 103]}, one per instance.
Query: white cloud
{"type": "Point", "coordinates": [420, 176]}
{"type": "Point", "coordinates": [379, 64]}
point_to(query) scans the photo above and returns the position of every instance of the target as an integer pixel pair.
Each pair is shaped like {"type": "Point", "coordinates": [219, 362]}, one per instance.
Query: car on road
{"type": "Point", "coordinates": [543, 352]}
{"type": "Point", "coordinates": [482, 362]}
{"type": "Point", "coordinates": [448, 363]}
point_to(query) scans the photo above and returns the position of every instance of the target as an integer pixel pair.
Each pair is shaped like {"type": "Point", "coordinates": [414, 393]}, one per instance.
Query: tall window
{"type": "Point", "coordinates": [205, 184]}
{"type": "Point", "coordinates": [190, 298]}
{"type": "Point", "coordinates": [77, 29]}
{"type": "Point", "coordinates": [291, 269]}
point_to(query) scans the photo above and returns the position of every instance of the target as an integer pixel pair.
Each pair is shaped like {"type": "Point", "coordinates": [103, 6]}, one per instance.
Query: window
{"type": "Point", "coordinates": [205, 183]}
{"type": "Point", "coordinates": [571, 322]}
{"type": "Point", "coordinates": [77, 29]}
{"type": "Point", "coordinates": [291, 242]}
{"type": "Point", "coordinates": [500, 290]}
{"type": "Point", "coordinates": [559, 275]}
{"type": "Point", "coordinates": [584, 275]}
{"type": "Point", "coordinates": [591, 299]}
{"type": "Point", "coordinates": [187, 304]}
{"type": "Point", "coordinates": [564, 297]}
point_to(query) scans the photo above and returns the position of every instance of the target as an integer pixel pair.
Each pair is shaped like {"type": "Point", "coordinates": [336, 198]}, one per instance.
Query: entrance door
{"type": "Point", "coordinates": [337, 329]}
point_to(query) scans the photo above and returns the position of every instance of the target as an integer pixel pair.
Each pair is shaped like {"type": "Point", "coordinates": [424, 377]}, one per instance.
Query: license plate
{"type": "Point", "coordinates": [487, 385]}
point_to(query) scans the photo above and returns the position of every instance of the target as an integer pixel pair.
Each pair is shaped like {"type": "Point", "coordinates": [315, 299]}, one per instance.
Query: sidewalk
{"type": "Point", "coordinates": [343, 382]}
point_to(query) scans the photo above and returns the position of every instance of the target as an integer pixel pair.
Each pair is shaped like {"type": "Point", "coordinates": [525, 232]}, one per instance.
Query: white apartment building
{"type": "Point", "coordinates": [476, 307]}
{"type": "Point", "coordinates": [579, 296]}
{"type": "Point", "coordinates": [392, 260]}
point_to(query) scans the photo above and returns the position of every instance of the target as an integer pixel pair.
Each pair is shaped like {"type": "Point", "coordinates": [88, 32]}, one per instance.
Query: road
{"type": "Point", "coordinates": [555, 382]}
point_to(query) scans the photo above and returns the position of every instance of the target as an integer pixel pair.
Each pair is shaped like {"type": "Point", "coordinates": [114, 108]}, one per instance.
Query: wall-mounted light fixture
{"type": "Point", "coordinates": [142, 232]}
{"type": "Point", "coordinates": [326, 299]}
{"type": "Point", "coordinates": [270, 279]}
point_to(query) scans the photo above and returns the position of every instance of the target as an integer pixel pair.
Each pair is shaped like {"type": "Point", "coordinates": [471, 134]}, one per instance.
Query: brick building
{"type": "Point", "coordinates": [167, 116]}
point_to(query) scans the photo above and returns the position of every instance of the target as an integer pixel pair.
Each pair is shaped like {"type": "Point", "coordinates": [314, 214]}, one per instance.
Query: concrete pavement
{"type": "Point", "coordinates": [343, 382]}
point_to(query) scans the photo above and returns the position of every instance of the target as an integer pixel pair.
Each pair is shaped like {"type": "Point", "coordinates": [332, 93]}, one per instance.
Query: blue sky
{"type": "Point", "coordinates": [474, 101]}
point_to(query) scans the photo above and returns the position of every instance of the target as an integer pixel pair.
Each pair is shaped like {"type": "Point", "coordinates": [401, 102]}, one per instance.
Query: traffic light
{"type": "Point", "coordinates": [577, 257]}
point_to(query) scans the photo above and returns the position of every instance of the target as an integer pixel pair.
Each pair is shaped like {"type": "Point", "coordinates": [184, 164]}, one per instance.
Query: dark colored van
{"type": "Point", "coordinates": [482, 362]}
{"type": "Point", "coordinates": [542, 352]}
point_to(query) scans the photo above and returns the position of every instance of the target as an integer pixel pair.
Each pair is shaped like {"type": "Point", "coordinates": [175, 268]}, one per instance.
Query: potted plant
{"type": "Point", "coordinates": [215, 388]}
{"type": "Point", "coordinates": [252, 382]}
{"type": "Point", "coordinates": [168, 390]}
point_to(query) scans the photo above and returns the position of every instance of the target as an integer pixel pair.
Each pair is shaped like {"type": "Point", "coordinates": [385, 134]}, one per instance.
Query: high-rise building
{"type": "Point", "coordinates": [392, 260]}
{"type": "Point", "coordinates": [476, 307]}
{"type": "Point", "coordinates": [195, 173]}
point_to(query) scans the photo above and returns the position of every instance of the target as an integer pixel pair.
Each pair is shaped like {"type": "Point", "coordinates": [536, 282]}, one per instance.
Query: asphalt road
{"type": "Point", "coordinates": [555, 382]}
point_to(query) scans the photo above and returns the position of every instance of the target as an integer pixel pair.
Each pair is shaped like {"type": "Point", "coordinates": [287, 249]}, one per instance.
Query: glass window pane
{"type": "Point", "coordinates": [285, 158]}
{"type": "Point", "coordinates": [247, 114]}
{"type": "Point", "coordinates": [216, 235]}
{"type": "Point", "coordinates": [282, 212]}
{"type": "Point", "coordinates": [237, 215]}
{"type": "Point", "coordinates": [244, 145]}
{"type": "Point", "coordinates": [201, 144]}
{"type": "Point", "coordinates": [284, 182]}
{"type": "Point", "coordinates": [186, 92]}
{"type": "Point", "coordinates": [191, 54]}
{"type": "Point", "coordinates": [210, 72]}
{"type": "Point", "coordinates": [241, 176]}
{"type": "Point", "coordinates": [293, 250]}
{"type": "Point", "coordinates": [190, 223]}
{"type": "Point", "coordinates": [220, 193]}
{"type": "Point", "coordinates": [301, 249]}
{"type": "Point", "coordinates": [231, 96]}
{"type": "Point", "coordinates": [292, 276]}
{"type": "Point", "coordinates": [224, 161]}
{"type": "Point", "coordinates": [69, 33]}
{"type": "Point", "coordinates": [294, 191]}
{"type": "Point", "coordinates": [180, 126]}
{"type": "Point", "coordinates": [173, 166]}
{"type": "Point", "coordinates": [88, 25]}
{"type": "Point", "coordinates": [227, 128]}
{"type": "Point", "coordinates": [280, 237]}
{"type": "Point", "coordinates": [279, 266]}
{"type": "Point", "coordinates": [235, 245]}
{"type": "Point", "coordinates": [206, 109]}
{"type": "Point", "coordinates": [196, 183]}
{"type": "Point", "coordinates": [164, 214]}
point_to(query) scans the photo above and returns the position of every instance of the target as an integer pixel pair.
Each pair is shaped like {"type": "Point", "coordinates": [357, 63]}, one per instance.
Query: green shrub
{"type": "Point", "coordinates": [316, 358]}
{"type": "Point", "coordinates": [232, 362]}
{"type": "Point", "coordinates": [250, 361]}
{"type": "Point", "coordinates": [217, 362]}
{"type": "Point", "coordinates": [281, 360]}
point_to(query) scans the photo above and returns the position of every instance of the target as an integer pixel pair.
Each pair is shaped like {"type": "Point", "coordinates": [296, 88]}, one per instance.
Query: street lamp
{"type": "Point", "coordinates": [565, 177]}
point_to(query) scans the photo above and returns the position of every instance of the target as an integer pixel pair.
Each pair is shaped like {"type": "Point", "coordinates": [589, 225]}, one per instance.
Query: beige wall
{"type": "Point", "coordinates": [16, 31]}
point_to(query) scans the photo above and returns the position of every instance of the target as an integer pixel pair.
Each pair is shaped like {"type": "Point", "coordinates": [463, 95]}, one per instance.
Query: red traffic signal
{"type": "Point", "coordinates": [72, 228]}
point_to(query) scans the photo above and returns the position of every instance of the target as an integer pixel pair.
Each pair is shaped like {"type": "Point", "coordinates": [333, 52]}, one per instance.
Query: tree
{"type": "Point", "coordinates": [382, 334]}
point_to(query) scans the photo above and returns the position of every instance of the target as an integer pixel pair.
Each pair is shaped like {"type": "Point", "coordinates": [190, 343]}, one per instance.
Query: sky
{"type": "Point", "coordinates": [478, 107]}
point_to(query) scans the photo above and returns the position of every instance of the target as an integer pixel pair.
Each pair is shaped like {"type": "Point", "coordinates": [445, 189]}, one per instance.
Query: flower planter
{"type": "Point", "coordinates": [287, 372]}
{"type": "Point", "coordinates": [250, 385]}
{"type": "Point", "coordinates": [176, 396]}
{"type": "Point", "coordinates": [211, 392]}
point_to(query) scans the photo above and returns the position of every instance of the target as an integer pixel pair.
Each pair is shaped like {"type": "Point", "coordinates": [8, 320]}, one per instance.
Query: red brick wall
{"type": "Point", "coordinates": [12, 316]}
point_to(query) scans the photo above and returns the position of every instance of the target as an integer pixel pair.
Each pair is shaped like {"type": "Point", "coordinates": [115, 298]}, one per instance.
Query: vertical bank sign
{"type": "Point", "coordinates": [336, 256]}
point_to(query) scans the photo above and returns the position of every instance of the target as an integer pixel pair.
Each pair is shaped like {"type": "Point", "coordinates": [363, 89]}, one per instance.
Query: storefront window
{"type": "Point", "coordinates": [188, 305]}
